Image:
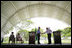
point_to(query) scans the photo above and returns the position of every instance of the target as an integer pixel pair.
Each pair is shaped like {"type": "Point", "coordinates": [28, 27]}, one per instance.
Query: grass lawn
{"type": "Point", "coordinates": [45, 41]}
{"type": "Point", "coordinates": [63, 41]}
{"type": "Point", "coordinates": [66, 41]}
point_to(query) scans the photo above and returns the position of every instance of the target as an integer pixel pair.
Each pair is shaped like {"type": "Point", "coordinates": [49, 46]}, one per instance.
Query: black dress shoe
{"type": "Point", "coordinates": [49, 43]}
{"type": "Point", "coordinates": [38, 43]}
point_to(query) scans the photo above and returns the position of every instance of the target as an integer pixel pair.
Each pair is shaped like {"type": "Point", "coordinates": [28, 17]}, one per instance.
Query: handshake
{"type": "Point", "coordinates": [42, 33]}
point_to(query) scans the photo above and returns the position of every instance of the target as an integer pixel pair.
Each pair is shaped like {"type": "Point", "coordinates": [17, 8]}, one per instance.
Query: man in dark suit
{"type": "Point", "coordinates": [38, 35]}
{"type": "Point", "coordinates": [12, 38]}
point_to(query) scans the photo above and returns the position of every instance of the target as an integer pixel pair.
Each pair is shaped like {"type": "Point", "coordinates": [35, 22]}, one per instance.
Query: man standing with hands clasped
{"type": "Point", "coordinates": [48, 31]}
{"type": "Point", "coordinates": [38, 35]}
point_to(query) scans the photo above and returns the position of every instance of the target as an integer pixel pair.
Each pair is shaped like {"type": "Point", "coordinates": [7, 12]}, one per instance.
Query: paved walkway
{"type": "Point", "coordinates": [38, 44]}
{"type": "Point", "coordinates": [35, 45]}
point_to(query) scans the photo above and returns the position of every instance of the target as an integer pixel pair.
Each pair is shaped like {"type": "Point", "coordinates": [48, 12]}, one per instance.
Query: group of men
{"type": "Point", "coordinates": [12, 38]}
{"type": "Point", "coordinates": [48, 31]}
{"type": "Point", "coordinates": [18, 37]}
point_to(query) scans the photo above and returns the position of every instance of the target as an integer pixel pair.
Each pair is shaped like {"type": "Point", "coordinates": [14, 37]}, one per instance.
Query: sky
{"type": "Point", "coordinates": [43, 22]}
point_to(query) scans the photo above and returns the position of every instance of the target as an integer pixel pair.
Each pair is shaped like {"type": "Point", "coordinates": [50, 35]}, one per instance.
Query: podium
{"type": "Point", "coordinates": [57, 37]}
{"type": "Point", "coordinates": [31, 37]}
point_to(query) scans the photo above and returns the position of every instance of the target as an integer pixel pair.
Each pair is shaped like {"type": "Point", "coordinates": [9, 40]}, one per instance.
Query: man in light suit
{"type": "Point", "coordinates": [48, 31]}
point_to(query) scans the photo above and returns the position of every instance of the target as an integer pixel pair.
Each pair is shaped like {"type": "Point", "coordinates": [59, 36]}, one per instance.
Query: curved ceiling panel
{"type": "Point", "coordinates": [13, 12]}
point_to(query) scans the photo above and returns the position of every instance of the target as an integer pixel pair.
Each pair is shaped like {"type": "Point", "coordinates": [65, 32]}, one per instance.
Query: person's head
{"type": "Point", "coordinates": [38, 27]}
{"type": "Point", "coordinates": [12, 32]}
{"type": "Point", "coordinates": [47, 28]}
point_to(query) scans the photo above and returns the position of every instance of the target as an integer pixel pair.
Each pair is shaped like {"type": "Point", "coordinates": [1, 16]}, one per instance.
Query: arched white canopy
{"type": "Point", "coordinates": [14, 12]}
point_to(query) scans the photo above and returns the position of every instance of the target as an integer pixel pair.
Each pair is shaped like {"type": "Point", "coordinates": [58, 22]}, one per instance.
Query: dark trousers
{"type": "Point", "coordinates": [49, 38]}
{"type": "Point", "coordinates": [38, 35]}
{"type": "Point", "coordinates": [12, 39]}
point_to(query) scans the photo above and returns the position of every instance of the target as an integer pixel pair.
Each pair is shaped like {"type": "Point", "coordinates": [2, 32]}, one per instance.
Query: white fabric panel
{"type": "Point", "coordinates": [69, 8]}
{"type": "Point", "coordinates": [62, 4]}
{"type": "Point", "coordinates": [8, 26]}
{"type": "Point", "coordinates": [7, 10]}
{"type": "Point", "coordinates": [19, 4]}
{"type": "Point", "coordinates": [3, 20]}
{"type": "Point", "coordinates": [25, 9]}
{"type": "Point", "coordinates": [32, 2]}
{"type": "Point", "coordinates": [16, 17]}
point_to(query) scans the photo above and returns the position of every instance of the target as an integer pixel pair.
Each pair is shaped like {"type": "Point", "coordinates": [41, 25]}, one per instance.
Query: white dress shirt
{"type": "Point", "coordinates": [48, 31]}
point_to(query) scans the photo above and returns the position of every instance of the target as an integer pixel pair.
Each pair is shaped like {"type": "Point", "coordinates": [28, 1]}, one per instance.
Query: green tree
{"type": "Point", "coordinates": [24, 34]}
{"type": "Point", "coordinates": [66, 32]}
